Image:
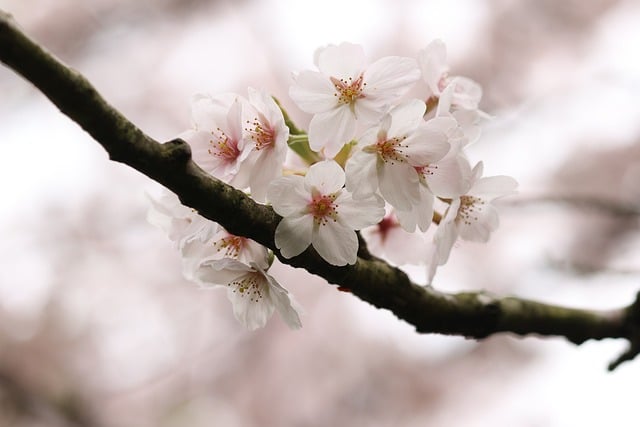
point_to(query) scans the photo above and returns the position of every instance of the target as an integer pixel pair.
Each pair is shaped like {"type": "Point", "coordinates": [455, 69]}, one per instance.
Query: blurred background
{"type": "Point", "coordinates": [98, 328]}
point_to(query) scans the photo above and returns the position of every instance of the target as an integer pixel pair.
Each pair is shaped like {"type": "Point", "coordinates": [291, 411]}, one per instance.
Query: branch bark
{"type": "Point", "coordinates": [470, 314]}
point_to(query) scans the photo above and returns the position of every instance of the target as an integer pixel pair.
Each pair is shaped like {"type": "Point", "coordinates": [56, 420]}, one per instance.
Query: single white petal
{"type": "Point", "coordinates": [451, 176]}
{"type": "Point", "coordinates": [326, 176]}
{"type": "Point", "coordinates": [361, 174]}
{"type": "Point", "coordinates": [390, 77]}
{"type": "Point", "coordinates": [425, 146]}
{"type": "Point", "coordinates": [293, 235]}
{"type": "Point", "coordinates": [284, 303]}
{"type": "Point", "coordinates": [313, 92]}
{"type": "Point", "coordinates": [493, 187]}
{"type": "Point", "coordinates": [210, 112]}
{"type": "Point", "coordinates": [360, 213]}
{"type": "Point", "coordinates": [342, 61]}
{"type": "Point", "coordinates": [406, 117]}
{"type": "Point", "coordinates": [337, 243]}
{"type": "Point", "coordinates": [266, 168]}
{"type": "Point", "coordinates": [398, 184]}
{"type": "Point", "coordinates": [466, 93]}
{"type": "Point", "coordinates": [432, 60]}
{"type": "Point", "coordinates": [421, 214]}
{"type": "Point", "coordinates": [288, 195]}
{"type": "Point", "coordinates": [332, 129]}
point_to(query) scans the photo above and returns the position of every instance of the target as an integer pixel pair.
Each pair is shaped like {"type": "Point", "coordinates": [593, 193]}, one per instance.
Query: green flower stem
{"type": "Point", "coordinates": [300, 145]}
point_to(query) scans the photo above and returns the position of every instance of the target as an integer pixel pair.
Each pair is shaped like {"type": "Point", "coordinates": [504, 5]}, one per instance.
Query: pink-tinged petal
{"type": "Point", "coordinates": [432, 60]}
{"type": "Point", "coordinates": [390, 77]}
{"type": "Point", "coordinates": [492, 187]}
{"type": "Point", "coordinates": [368, 111]}
{"type": "Point", "coordinates": [220, 272]}
{"type": "Point", "coordinates": [451, 176]}
{"type": "Point", "coordinates": [362, 175]}
{"type": "Point", "coordinates": [313, 92]}
{"type": "Point", "coordinates": [398, 185]}
{"type": "Point", "coordinates": [406, 117]}
{"type": "Point", "coordinates": [210, 112]}
{"type": "Point", "coordinates": [284, 303]}
{"type": "Point", "coordinates": [331, 130]}
{"type": "Point", "coordinates": [342, 61]}
{"type": "Point", "coordinates": [200, 143]}
{"type": "Point", "coordinates": [469, 121]}
{"type": "Point", "coordinates": [446, 234]}
{"type": "Point", "coordinates": [266, 168]}
{"type": "Point", "coordinates": [466, 93]}
{"type": "Point", "coordinates": [264, 104]}
{"type": "Point", "coordinates": [360, 213]}
{"type": "Point", "coordinates": [293, 235]}
{"type": "Point", "coordinates": [327, 177]}
{"type": "Point", "coordinates": [479, 228]}
{"type": "Point", "coordinates": [337, 243]}
{"type": "Point", "coordinates": [252, 306]}
{"type": "Point", "coordinates": [288, 196]}
{"type": "Point", "coordinates": [445, 124]}
{"type": "Point", "coordinates": [425, 146]}
{"type": "Point", "coordinates": [421, 215]}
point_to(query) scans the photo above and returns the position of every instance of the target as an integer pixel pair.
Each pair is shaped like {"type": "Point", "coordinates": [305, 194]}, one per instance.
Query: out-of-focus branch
{"type": "Point", "coordinates": [609, 207]}
{"type": "Point", "coordinates": [473, 314]}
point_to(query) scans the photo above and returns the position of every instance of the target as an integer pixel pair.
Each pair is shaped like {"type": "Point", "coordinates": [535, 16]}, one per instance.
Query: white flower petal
{"type": "Point", "coordinates": [406, 117]}
{"type": "Point", "coordinates": [493, 187]}
{"type": "Point", "coordinates": [360, 213]}
{"type": "Point", "coordinates": [294, 234]}
{"type": "Point", "coordinates": [332, 129]}
{"type": "Point", "coordinates": [390, 77]}
{"type": "Point", "coordinates": [284, 303]}
{"type": "Point", "coordinates": [425, 146]}
{"type": "Point", "coordinates": [398, 185]}
{"type": "Point", "coordinates": [287, 195]}
{"type": "Point", "coordinates": [479, 228]}
{"type": "Point", "coordinates": [361, 174]}
{"type": "Point", "coordinates": [337, 243]}
{"type": "Point", "coordinates": [342, 61]}
{"type": "Point", "coordinates": [327, 177]}
{"type": "Point", "coordinates": [313, 92]}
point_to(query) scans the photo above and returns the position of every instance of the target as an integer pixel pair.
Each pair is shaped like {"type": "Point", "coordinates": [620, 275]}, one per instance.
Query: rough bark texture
{"type": "Point", "coordinates": [471, 314]}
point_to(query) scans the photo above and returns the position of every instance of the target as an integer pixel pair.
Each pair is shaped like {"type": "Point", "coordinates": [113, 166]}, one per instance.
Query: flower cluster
{"type": "Point", "coordinates": [382, 157]}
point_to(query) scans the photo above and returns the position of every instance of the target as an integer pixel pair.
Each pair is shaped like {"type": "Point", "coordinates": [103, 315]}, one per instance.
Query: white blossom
{"type": "Point", "coordinates": [346, 94]}
{"type": "Point", "coordinates": [471, 216]}
{"type": "Point", "coordinates": [253, 293]}
{"type": "Point", "coordinates": [318, 211]}
{"type": "Point", "coordinates": [390, 152]}
{"type": "Point", "coordinates": [265, 135]}
{"type": "Point", "coordinates": [465, 93]}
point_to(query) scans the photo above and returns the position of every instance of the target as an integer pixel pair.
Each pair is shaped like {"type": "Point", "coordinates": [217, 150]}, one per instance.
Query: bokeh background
{"type": "Point", "coordinates": [98, 328]}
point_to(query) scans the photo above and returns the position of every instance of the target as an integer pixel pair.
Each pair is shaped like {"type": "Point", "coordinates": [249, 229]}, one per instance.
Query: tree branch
{"type": "Point", "coordinates": [471, 314]}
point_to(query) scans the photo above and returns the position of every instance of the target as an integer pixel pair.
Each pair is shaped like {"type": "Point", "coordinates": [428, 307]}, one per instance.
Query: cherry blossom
{"type": "Point", "coordinates": [182, 224]}
{"type": "Point", "coordinates": [318, 211]}
{"type": "Point", "coordinates": [346, 94]}
{"type": "Point", "coordinates": [390, 152]}
{"type": "Point", "coordinates": [216, 139]}
{"type": "Point", "coordinates": [465, 93]}
{"type": "Point", "coordinates": [471, 216]}
{"type": "Point", "coordinates": [265, 134]}
{"type": "Point", "coordinates": [253, 293]}
{"type": "Point", "coordinates": [389, 240]}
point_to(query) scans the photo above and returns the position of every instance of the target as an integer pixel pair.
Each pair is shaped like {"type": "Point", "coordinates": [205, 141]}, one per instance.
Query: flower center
{"type": "Point", "coordinates": [389, 150]}
{"type": "Point", "coordinates": [470, 208]}
{"type": "Point", "coordinates": [249, 286]}
{"type": "Point", "coordinates": [230, 245]}
{"type": "Point", "coordinates": [349, 90]}
{"type": "Point", "coordinates": [424, 172]}
{"type": "Point", "coordinates": [223, 147]}
{"type": "Point", "coordinates": [262, 135]}
{"type": "Point", "coordinates": [323, 208]}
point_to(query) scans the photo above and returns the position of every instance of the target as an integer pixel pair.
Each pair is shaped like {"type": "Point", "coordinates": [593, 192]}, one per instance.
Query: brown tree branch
{"type": "Point", "coordinates": [471, 314]}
